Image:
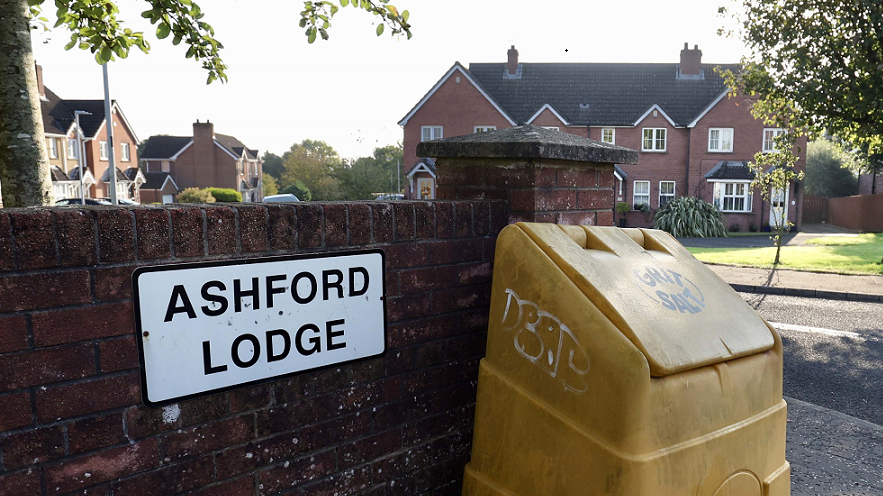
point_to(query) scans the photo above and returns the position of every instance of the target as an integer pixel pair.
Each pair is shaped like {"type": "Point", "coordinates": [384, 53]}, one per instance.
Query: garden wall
{"type": "Point", "coordinates": [71, 418]}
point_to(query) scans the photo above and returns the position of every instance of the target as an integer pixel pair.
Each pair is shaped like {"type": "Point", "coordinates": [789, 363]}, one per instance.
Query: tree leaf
{"type": "Point", "coordinates": [379, 29]}
{"type": "Point", "coordinates": [405, 15]}
{"type": "Point", "coordinates": [312, 36]}
{"type": "Point", "coordinates": [163, 30]}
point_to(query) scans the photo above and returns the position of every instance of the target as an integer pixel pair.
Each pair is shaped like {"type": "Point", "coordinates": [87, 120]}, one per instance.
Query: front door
{"type": "Point", "coordinates": [778, 207]}
{"type": "Point", "coordinates": [425, 191]}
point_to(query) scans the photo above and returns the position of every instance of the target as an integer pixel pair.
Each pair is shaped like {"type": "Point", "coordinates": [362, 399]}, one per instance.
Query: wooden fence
{"type": "Point", "coordinates": [815, 209]}
{"type": "Point", "coordinates": [861, 213]}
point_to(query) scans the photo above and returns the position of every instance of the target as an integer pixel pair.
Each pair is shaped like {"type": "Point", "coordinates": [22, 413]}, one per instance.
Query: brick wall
{"type": "Point", "coordinates": [70, 412]}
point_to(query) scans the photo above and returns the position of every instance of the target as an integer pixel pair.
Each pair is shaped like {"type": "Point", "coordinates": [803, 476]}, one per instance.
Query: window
{"type": "Point", "coordinates": [666, 192]}
{"type": "Point", "coordinates": [484, 129]}
{"type": "Point", "coordinates": [124, 149]}
{"type": "Point", "coordinates": [769, 138]}
{"type": "Point", "coordinates": [72, 148]}
{"type": "Point", "coordinates": [720, 139]}
{"type": "Point", "coordinates": [165, 166]}
{"type": "Point", "coordinates": [641, 194]}
{"type": "Point", "coordinates": [122, 190]}
{"type": "Point", "coordinates": [553, 128]}
{"type": "Point", "coordinates": [429, 133]}
{"type": "Point", "coordinates": [53, 148]}
{"type": "Point", "coordinates": [733, 197]}
{"type": "Point", "coordinates": [654, 139]}
{"type": "Point", "coordinates": [102, 150]}
{"type": "Point", "coordinates": [608, 135]}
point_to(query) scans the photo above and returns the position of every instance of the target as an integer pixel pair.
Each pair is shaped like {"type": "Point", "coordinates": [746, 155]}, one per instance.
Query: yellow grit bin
{"type": "Point", "coordinates": [618, 364]}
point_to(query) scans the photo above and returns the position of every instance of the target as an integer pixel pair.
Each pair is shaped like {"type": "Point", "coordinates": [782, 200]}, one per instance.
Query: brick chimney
{"type": "Point", "coordinates": [691, 61]}
{"type": "Point", "coordinates": [203, 170]}
{"type": "Point", "coordinates": [42, 91]}
{"type": "Point", "coordinates": [512, 65]}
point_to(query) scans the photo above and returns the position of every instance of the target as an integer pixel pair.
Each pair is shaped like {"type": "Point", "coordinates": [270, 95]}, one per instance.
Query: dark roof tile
{"type": "Point", "coordinates": [163, 147]}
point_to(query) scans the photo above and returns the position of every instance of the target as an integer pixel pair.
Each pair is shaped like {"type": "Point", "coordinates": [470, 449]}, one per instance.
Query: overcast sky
{"type": "Point", "coordinates": [351, 91]}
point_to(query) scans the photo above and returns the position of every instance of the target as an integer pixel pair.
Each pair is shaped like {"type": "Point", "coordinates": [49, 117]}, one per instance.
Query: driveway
{"type": "Point", "coordinates": [809, 231]}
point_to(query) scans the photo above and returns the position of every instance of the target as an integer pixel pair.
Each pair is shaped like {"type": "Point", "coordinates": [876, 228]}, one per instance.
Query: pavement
{"type": "Point", "coordinates": [762, 240]}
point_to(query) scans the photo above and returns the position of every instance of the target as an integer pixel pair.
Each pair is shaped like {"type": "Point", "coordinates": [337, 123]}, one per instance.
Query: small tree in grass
{"type": "Point", "coordinates": [773, 174]}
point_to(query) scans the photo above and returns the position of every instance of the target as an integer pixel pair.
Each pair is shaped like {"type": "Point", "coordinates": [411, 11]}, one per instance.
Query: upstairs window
{"type": "Point", "coordinates": [72, 148]}
{"type": "Point", "coordinates": [720, 139]}
{"type": "Point", "coordinates": [125, 152]}
{"type": "Point", "coordinates": [165, 166]}
{"type": "Point", "coordinates": [484, 129]}
{"type": "Point", "coordinates": [102, 150]}
{"type": "Point", "coordinates": [429, 133]}
{"type": "Point", "coordinates": [654, 139]}
{"type": "Point", "coordinates": [769, 138]}
{"type": "Point", "coordinates": [608, 135]}
{"type": "Point", "coordinates": [553, 128]}
{"type": "Point", "coordinates": [666, 192]}
{"type": "Point", "coordinates": [641, 194]}
{"type": "Point", "coordinates": [53, 148]}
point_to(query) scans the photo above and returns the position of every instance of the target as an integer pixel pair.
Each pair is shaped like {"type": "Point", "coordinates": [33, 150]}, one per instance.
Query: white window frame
{"type": "Point", "coordinates": [125, 152]}
{"type": "Point", "coordinates": [72, 151]}
{"type": "Point", "coordinates": [612, 131]}
{"type": "Point", "coordinates": [435, 132]}
{"type": "Point", "coordinates": [552, 128]}
{"type": "Point", "coordinates": [635, 194]}
{"type": "Point", "coordinates": [720, 140]}
{"type": "Point", "coordinates": [720, 196]}
{"type": "Point", "coordinates": [776, 131]}
{"type": "Point", "coordinates": [483, 129]}
{"type": "Point", "coordinates": [674, 189]}
{"type": "Point", "coordinates": [102, 150]}
{"type": "Point", "coordinates": [654, 139]}
{"type": "Point", "coordinates": [52, 147]}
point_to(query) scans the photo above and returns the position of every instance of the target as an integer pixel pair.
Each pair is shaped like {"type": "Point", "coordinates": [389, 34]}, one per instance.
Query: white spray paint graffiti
{"type": "Point", "coordinates": [542, 339]}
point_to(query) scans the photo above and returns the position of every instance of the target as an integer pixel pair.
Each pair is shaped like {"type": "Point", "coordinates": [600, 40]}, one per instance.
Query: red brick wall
{"type": "Point", "coordinates": [70, 412]}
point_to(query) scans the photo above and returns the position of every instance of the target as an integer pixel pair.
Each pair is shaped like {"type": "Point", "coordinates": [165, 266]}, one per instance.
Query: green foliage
{"type": "Point", "coordinates": [316, 17]}
{"type": "Point", "coordinates": [298, 189]}
{"type": "Point", "coordinates": [362, 178]}
{"type": "Point", "coordinates": [313, 162]}
{"type": "Point", "coordinates": [623, 207]}
{"type": "Point", "coordinates": [690, 217]}
{"type": "Point", "coordinates": [225, 194]}
{"type": "Point", "coordinates": [827, 172]}
{"type": "Point", "coordinates": [817, 66]}
{"type": "Point", "coordinates": [270, 187]}
{"type": "Point", "coordinates": [94, 26]}
{"type": "Point", "coordinates": [272, 165]}
{"type": "Point", "coordinates": [195, 195]}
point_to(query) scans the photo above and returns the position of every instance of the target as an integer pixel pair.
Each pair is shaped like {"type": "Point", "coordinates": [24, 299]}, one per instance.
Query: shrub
{"type": "Point", "coordinates": [752, 227]}
{"type": "Point", "coordinates": [298, 189]}
{"type": "Point", "coordinates": [623, 207]}
{"type": "Point", "coordinates": [689, 216]}
{"type": "Point", "coordinates": [195, 195]}
{"type": "Point", "coordinates": [225, 194]}
{"type": "Point", "coordinates": [734, 227]}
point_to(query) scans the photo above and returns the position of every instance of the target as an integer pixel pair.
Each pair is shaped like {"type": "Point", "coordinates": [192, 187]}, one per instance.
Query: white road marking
{"type": "Point", "coordinates": [816, 330]}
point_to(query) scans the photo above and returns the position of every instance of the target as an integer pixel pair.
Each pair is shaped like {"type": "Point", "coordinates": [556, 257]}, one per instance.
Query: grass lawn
{"type": "Point", "coordinates": [854, 254]}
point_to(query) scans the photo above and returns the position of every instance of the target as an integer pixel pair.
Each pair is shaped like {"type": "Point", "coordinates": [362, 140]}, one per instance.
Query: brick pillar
{"type": "Point", "coordinates": [546, 176]}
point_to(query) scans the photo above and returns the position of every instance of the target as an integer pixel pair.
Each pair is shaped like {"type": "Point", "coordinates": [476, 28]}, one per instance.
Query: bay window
{"type": "Point", "coordinates": [733, 196]}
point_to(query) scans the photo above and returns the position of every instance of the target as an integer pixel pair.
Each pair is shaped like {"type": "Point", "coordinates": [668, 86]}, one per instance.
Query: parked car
{"type": "Point", "coordinates": [391, 196]}
{"type": "Point", "coordinates": [77, 201]}
{"type": "Point", "coordinates": [121, 201]}
{"type": "Point", "coordinates": [287, 197]}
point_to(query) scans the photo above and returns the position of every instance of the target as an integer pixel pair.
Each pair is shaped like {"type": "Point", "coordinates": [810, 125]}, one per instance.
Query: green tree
{"type": "Point", "coordinates": [298, 189]}
{"type": "Point", "coordinates": [314, 163]}
{"type": "Point", "coordinates": [827, 172]}
{"type": "Point", "coordinates": [815, 66]}
{"type": "Point", "coordinates": [270, 186]}
{"type": "Point", "coordinates": [272, 165]}
{"type": "Point", "coordinates": [363, 177]}
{"type": "Point", "coordinates": [93, 24]}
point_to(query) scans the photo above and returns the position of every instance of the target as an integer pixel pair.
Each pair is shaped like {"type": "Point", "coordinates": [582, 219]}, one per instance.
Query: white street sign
{"type": "Point", "coordinates": [205, 327]}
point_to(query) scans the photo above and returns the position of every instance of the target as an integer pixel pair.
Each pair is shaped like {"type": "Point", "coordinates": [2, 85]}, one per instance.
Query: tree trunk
{"type": "Point", "coordinates": [781, 233]}
{"type": "Point", "coordinates": [24, 163]}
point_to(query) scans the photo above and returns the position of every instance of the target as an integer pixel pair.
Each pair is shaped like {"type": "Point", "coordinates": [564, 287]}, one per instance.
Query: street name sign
{"type": "Point", "coordinates": [210, 326]}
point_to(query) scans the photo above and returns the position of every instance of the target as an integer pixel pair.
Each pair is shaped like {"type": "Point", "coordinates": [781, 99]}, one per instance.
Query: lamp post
{"type": "Point", "coordinates": [108, 119]}
{"type": "Point", "coordinates": [80, 152]}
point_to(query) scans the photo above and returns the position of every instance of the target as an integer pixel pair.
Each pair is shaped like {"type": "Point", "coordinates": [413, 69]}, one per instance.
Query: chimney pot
{"type": "Point", "coordinates": [512, 65]}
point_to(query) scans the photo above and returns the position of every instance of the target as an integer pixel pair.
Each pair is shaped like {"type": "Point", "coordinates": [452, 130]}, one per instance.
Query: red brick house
{"type": "Point", "coordinates": [694, 139]}
{"type": "Point", "coordinates": [59, 126]}
{"type": "Point", "coordinates": [206, 159]}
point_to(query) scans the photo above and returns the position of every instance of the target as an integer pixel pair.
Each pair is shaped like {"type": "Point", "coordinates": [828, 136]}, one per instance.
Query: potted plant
{"type": "Point", "coordinates": [622, 208]}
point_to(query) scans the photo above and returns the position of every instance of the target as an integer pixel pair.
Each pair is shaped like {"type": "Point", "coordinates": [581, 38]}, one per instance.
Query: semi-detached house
{"type": "Point", "coordinates": [694, 138]}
